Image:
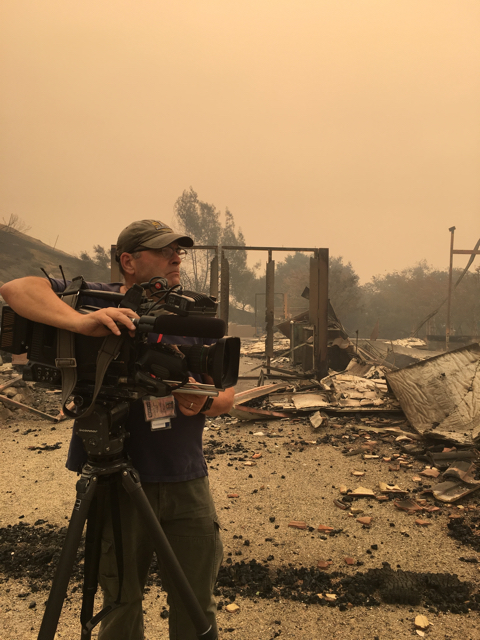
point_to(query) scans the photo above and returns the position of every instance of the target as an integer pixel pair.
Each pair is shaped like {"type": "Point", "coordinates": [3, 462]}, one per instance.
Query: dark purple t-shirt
{"type": "Point", "coordinates": [172, 455]}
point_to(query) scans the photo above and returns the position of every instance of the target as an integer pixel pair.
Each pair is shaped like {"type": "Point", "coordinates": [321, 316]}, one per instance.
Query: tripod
{"type": "Point", "coordinates": [94, 475]}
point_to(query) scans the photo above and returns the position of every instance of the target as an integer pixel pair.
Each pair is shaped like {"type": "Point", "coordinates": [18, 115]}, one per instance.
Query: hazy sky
{"type": "Point", "coordinates": [348, 124]}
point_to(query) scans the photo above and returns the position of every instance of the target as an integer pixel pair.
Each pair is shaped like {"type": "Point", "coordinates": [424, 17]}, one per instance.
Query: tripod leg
{"type": "Point", "coordinates": [86, 487]}
{"type": "Point", "coordinates": [93, 542]}
{"type": "Point", "coordinates": [167, 557]}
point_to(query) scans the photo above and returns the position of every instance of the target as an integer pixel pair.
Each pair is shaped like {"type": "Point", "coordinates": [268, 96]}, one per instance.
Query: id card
{"type": "Point", "coordinates": [160, 424]}
{"type": "Point", "coordinates": [159, 408]}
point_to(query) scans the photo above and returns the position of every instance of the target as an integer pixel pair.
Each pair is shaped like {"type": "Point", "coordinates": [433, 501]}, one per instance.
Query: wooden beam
{"type": "Point", "coordinates": [269, 311]}
{"type": "Point", "coordinates": [319, 310]}
{"type": "Point", "coordinates": [25, 407]}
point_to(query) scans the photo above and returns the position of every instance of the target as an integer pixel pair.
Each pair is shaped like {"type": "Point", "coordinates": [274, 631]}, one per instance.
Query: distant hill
{"type": "Point", "coordinates": [21, 255]}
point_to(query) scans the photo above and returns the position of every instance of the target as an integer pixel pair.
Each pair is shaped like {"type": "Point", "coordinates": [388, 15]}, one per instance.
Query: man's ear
{"type": "Point", "coordinates": [128, 263]}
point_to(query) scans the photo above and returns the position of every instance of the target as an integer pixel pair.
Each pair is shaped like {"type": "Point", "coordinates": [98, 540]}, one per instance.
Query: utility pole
{"type": "Point", "coordinates": [449, 299]}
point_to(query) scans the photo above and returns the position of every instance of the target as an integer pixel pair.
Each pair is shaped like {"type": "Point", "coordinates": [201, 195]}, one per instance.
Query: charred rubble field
{"type": "Point", "coordinates": [306, 555]}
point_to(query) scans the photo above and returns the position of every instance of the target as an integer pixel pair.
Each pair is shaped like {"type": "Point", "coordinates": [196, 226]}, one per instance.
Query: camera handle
{"type": "Point", "coordinates": [87, 486]}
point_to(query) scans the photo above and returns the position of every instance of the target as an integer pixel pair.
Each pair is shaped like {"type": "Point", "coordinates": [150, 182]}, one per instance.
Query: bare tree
{"type": "Point", "coordinates": [15, 224]}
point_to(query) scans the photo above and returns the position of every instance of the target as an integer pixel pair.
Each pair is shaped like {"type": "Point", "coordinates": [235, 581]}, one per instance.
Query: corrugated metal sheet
{"type": "Point", "coordinates": [441, 396]}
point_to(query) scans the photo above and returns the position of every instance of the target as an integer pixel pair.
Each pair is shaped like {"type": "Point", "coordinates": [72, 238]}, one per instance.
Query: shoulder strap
{"type": "Point", "coordinates": [108, 351]}
{"type": "Point", "coordinates": [65, 360]}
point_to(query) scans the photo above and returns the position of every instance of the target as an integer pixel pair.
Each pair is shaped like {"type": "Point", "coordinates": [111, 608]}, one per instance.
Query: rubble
{"type": "Point", "coordinates": [252, 413]}
{"type": "Point", "coordinates": [309, 401]}
{"type": "Point", "coordinates": [410, 342]}
{"type": "Point", "coordinates": [256, 347]}
{"type": "Point", "coordinates": [298, 524]}
{"type": "Point", "coordinates": [323, 564]}
{"type": "Point", "coordinates": [317, 419]}
{"type": "Point", "coordinates": [18, 395]}
{"type": "Point", "coordinates": [458, 481]}
{"type": "Point", "coordinates": [441, 396]}
{"type": "Point", "coordinates": [338, 392]}
{"type": "Point", "coordinates": [421, 622]}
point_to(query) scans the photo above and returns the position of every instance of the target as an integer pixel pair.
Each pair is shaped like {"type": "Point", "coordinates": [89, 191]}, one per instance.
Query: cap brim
{"type": "Point", "coordinates": [161, 241]}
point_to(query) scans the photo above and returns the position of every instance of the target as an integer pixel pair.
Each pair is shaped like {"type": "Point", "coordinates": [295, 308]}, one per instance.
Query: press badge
{"type": "Point", "coordinates": [159, 411]}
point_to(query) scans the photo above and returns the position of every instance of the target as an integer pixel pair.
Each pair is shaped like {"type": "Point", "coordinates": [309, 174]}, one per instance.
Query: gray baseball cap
{"type": "Point", "coordinates": [151, 234]}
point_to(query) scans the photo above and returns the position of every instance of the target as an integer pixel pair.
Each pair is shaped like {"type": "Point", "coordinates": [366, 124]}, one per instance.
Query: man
{"type": "Point", "coordinates": [170, 462]}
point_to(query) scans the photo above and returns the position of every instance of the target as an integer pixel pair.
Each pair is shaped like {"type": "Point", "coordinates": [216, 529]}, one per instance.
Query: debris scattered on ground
{"type": "Point", "coordinates": [16, 395]}
{"type": "Point", "coordinates": [46, 447]}
{"type": "Point", "coordinates": [459, 480]}
{"type": "Point", "coordinates": [421, 622]}
{"type": "Point", "coordinates": [338, 393]}
{"type": "Point", "coordinates": [31, 553]}
{"type": "Point", "coordinates": [383, 484]}
{"type": "Point", "coordinates": [297, 524]}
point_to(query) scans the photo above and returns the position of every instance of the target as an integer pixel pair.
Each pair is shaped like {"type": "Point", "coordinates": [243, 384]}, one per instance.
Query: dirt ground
{"type": "Point", "coordinates": [265, 476]}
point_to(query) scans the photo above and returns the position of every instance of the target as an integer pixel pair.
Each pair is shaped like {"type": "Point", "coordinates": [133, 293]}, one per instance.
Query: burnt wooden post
{"type": "Point", "coordinates": [224, 289]}
{"type": "Point", "coordinates": [318, 310]}
{"type": "Point", "coordinates": [214, 275]}
{"type": "Point", "coordinates": [269, 308]}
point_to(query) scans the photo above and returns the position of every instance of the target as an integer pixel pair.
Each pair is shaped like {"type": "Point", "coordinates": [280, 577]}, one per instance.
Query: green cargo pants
{"type": "Point", "coordinates": [187, 515]}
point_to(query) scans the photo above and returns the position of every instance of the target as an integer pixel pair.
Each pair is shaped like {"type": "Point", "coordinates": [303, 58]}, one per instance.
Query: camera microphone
{"type": "Point", "coordinates": [191, 326]}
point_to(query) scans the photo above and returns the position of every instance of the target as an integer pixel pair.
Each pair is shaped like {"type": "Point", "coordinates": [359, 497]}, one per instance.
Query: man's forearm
{"type": "Point", "coordinates": [221, 403]}
{"type": "Point", "coordinates": [34, 298]}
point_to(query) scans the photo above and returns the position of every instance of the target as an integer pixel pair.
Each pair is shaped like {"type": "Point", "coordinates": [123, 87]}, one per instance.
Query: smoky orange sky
{"type": "Point", "coordinates": [348, 124]}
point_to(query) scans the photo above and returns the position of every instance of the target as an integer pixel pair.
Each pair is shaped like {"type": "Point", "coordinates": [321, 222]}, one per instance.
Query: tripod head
{"type": "Point", "coordinates": [103, 431]}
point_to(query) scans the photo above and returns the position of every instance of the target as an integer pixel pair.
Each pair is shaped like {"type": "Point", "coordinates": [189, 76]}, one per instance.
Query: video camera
{"type": "Point", "coordinates": [140, 366]}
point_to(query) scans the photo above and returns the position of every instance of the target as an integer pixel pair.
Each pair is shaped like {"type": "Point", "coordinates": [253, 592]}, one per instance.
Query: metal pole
{"type": "Point", "coordinates": [449, 298]}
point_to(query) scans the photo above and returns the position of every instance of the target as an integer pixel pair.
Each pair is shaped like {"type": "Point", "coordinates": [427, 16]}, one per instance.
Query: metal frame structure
{"type": "Point", "coordinates": [318, 310]}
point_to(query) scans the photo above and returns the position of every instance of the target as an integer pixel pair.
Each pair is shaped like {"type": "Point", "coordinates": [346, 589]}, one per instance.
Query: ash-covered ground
{"type": "Point", "coordinates": [299, 560]}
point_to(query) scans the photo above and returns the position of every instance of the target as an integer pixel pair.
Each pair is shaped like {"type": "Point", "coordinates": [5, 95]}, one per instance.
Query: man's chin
{"type": "Point", "coordinates": [173, 279]}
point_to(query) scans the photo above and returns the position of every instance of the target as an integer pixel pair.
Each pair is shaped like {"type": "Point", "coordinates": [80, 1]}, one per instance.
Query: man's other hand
{"type": "Point", "coordinates": [105, 321]}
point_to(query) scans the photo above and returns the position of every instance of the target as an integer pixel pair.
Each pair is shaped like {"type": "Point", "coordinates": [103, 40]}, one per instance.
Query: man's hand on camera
{"type": "Point", "coordinates": [105, 321]}
{"type": "Point", "coordinates": [188, 403]}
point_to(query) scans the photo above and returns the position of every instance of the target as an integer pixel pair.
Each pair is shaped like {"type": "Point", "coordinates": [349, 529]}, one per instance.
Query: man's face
{"type": "Point", "coordinates": [153, 262]}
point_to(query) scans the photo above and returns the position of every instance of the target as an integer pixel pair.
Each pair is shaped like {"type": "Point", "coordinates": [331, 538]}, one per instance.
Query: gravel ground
{"type": "Point", "coordinates": [270, 569]}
